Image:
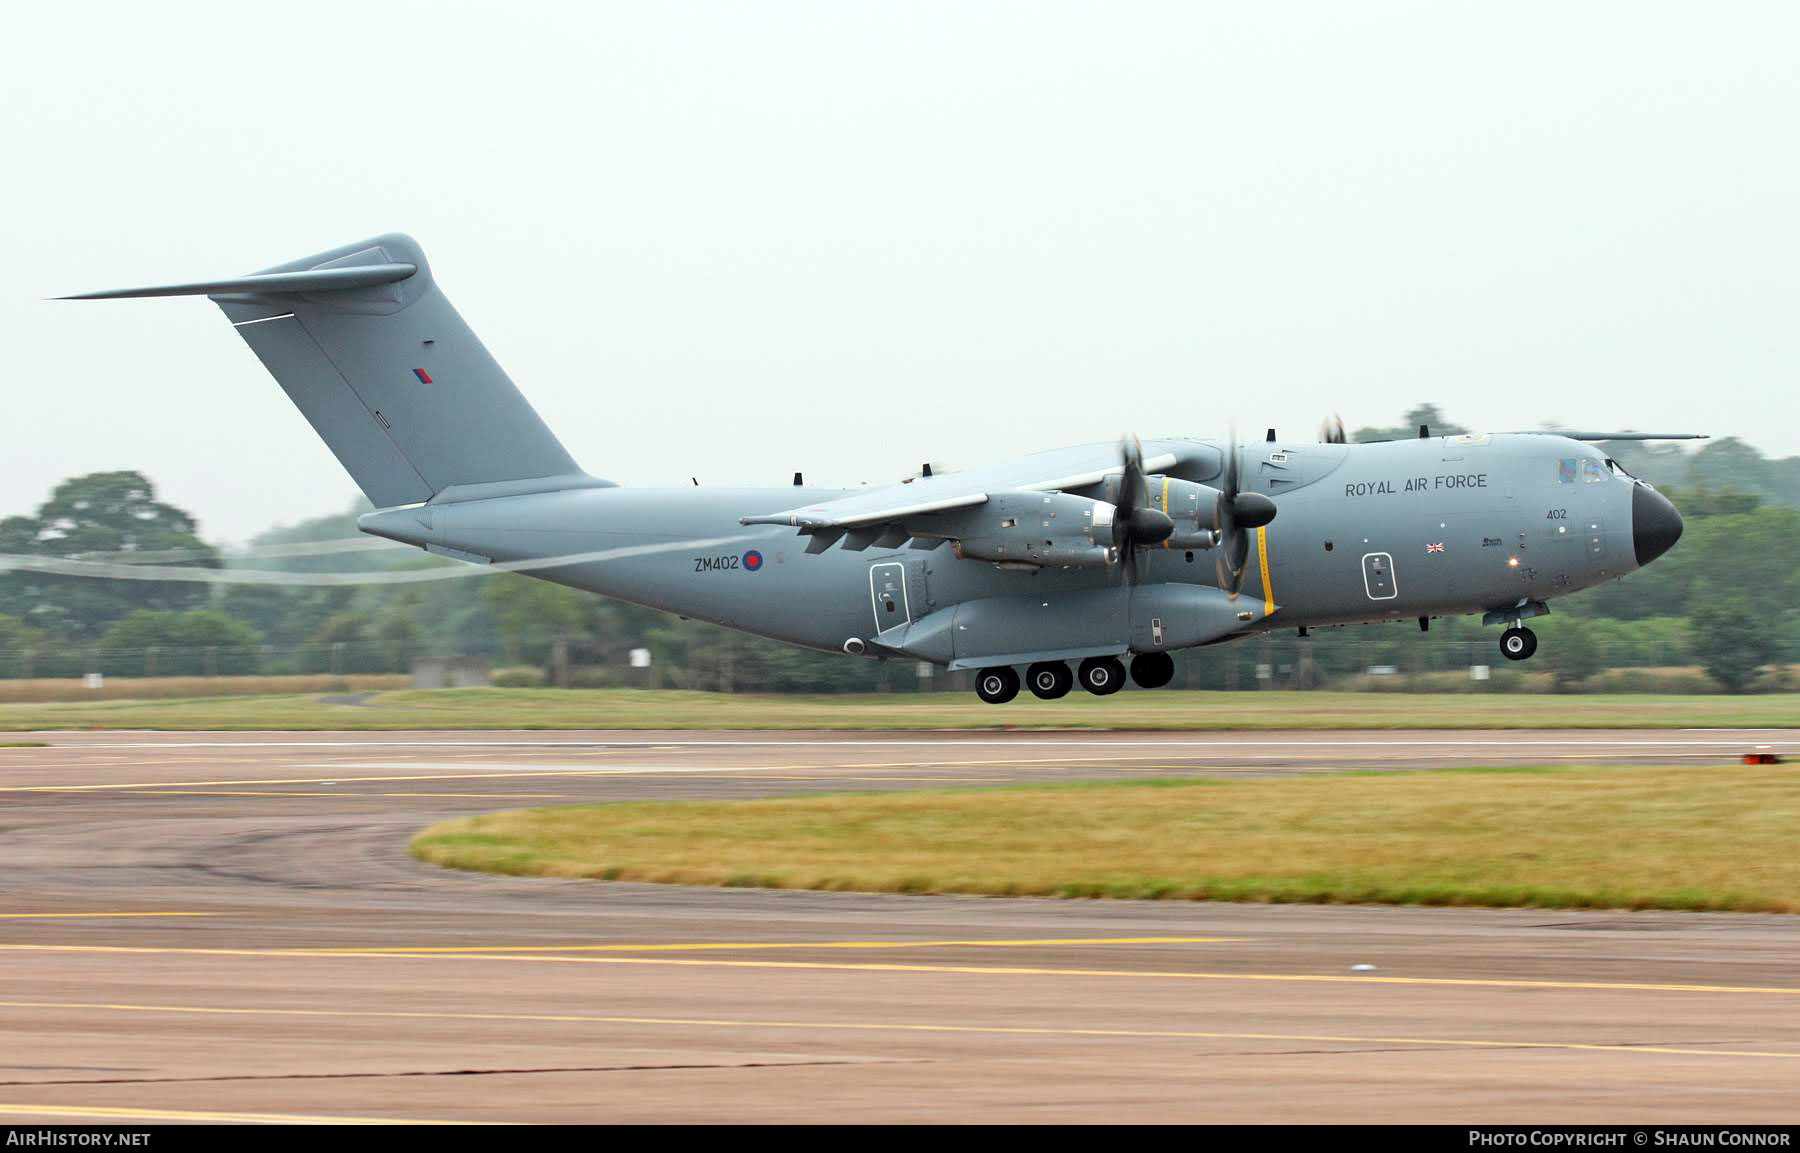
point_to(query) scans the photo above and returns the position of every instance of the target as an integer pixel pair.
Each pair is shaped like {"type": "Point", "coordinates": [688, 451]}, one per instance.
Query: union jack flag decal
{"type": "Point", "coordinates": [1438, 547]}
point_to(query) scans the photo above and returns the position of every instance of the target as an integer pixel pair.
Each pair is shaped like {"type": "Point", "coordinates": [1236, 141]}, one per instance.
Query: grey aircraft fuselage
{"type": "Point", "coordinates": [1085, 554]}
{"type": "Point", "coordinates": [1365, 532]}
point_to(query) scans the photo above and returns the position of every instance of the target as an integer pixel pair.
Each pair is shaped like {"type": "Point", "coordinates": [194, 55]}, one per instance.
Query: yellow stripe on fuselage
{"type": "Point", "coordinates": [1165, 505]}
{"type": "Point", "coordinates": [1262, 557]}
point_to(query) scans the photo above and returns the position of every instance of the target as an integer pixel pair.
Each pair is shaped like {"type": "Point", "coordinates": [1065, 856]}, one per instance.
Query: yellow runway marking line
{"type": "Point", "coordinates": [29, 916]}
{"type": "Point", "coordinates": [895, 967]}
{"type": "Point", "coordinates": [924, 780]}
{"type": "Point", "coordinates": [904, 1027]}
{"type": "Point", "coordinates": [233, 793]}
{"type": "Point", "coordinates": [171, 786]}
{"type": "Point", "coordinates": [273, 793]}
{"type": "Point", "coordinates": [815, 779]}
{"type": "Point", "coordinates": [475, 796]}
{"type": "Point", "coordinates": [108, 1112]}
{"type": "Point", "coordinates": [694, 946]}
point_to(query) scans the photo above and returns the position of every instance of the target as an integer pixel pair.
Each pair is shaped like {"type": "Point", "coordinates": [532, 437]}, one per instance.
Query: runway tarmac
{"type": "Point", "coordinates": [203, 926]}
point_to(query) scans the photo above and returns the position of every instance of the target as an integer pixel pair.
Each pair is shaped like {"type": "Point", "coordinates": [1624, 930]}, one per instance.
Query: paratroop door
{"type": "Point", "coordinates": [887, 593]}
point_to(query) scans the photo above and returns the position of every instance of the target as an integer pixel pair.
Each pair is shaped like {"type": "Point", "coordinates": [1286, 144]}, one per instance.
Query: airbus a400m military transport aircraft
{"type": "Point", "coordinates": [1086, 556]}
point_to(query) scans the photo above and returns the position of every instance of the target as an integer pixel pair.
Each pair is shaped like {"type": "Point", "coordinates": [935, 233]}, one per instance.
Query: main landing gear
{"type": "Point", "coordinates": [1102, 676]}
{"type": "Point", "coordinates": [1518, 643]}
{"type": "Point", "coordinates": [1152, 670]}
{"type": "Point", "coordinates": [997, 685]}
{"type": "Point", "coordinates": [1050, 680]}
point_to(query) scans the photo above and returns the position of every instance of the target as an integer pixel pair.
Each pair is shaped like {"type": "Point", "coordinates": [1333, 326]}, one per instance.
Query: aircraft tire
{"type": "Point", "coordinates": [1102, 676]}
{"type": "Point", "coordinates": [1518, 643]}
{"type": "Point", "coordinates": [997, 685]}
{"type": "Point", "coordinates": [1049, 680]}
{"type": "Point", "coordinates": [1152, 670]}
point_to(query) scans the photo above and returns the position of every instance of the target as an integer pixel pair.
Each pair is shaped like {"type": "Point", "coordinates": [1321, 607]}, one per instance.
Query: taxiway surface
{"type": "Point", "coordinates": [214, 925]}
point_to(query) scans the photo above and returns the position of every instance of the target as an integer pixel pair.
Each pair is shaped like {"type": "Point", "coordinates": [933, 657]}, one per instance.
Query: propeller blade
{"type": "Point", "coordinates": [1231, 563]}
{"type": "Point", "coordinates": [1134, 526]}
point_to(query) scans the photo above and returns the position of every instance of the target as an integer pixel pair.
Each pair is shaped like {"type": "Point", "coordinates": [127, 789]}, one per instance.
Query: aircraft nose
{"type": "Point", "coordinates": [1655, 525]}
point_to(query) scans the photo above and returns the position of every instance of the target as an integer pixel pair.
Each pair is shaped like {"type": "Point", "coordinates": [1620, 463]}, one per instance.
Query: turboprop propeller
{"type": "Point", "coordinates": [1235, 512]}
{"type": "Point", "coordinates": [1135, 524]}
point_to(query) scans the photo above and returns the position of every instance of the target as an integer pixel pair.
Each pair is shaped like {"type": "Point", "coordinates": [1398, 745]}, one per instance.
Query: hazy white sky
{"type": "Point", "coordinates": [735, 240]}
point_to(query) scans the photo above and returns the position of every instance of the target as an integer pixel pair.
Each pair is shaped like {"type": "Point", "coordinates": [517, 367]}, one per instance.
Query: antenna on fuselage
{"type": "Point", "coordinates": [1424, 432]}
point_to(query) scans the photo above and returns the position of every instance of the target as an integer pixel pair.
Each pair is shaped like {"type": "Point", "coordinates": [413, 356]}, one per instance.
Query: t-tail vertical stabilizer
{"type": "Point", "coordinates": [376, 358]}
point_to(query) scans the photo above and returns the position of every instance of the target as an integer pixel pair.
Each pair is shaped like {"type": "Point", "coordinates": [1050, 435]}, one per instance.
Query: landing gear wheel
{"type": "Point", "coordinates": [1517, 643]}
{"type": "Point", "coordinates": [1152, 670]}
{"type": "Point", "coordinates": [1102, 676]}
{"type": "Point", "coordinates": [1049, 680]}
{"type": "Point", "coordinates": [997, 685]}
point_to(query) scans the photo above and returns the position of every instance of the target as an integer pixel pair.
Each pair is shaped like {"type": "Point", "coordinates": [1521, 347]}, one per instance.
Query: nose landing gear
{"type": "Point", "coordinates": [1518, 643]}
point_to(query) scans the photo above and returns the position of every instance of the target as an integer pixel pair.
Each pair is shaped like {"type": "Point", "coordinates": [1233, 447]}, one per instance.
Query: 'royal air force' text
{"type": "Point", "coordinates": [1440, 483]}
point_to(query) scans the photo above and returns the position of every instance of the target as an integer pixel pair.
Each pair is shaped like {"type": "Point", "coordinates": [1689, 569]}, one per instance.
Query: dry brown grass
{"type": "Point", "coordinates": [1676, 838]}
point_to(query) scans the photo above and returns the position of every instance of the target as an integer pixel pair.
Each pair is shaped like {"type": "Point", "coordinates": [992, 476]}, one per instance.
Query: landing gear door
{"type": "Point", "coordinates": [887, 594]}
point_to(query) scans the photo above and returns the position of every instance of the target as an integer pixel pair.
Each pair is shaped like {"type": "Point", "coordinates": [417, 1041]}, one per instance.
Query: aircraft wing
{"type": "Point", "coordinates": [1055, 471]}
{"type": "Point", "coordinates": [880, 506]}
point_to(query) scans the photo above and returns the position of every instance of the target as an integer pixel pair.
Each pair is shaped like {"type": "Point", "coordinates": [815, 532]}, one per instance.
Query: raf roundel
{"type": "Point", "coordinates": [753, 560]}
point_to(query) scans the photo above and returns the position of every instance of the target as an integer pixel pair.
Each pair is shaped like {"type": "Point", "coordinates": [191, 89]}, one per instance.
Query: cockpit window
{"type": "Point", "coordinates": [1588, 471]}
{"type": "Point", "coordinates": [1618, 469]}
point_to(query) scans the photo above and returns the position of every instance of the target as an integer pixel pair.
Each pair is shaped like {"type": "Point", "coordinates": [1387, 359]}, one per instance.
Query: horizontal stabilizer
{"type": "Point", "coordinates": [309, 280]}
{"type": "Point", "coordinates": [1623, 435]}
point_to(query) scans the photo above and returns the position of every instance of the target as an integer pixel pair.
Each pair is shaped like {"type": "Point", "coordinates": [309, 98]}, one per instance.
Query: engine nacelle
{"type": "Point", "coordinates": [1050, 529]}
{"type": "Point", "coordinates": [1059, 529]}
{"type": "Point", "coordinates": [1191, 506]}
